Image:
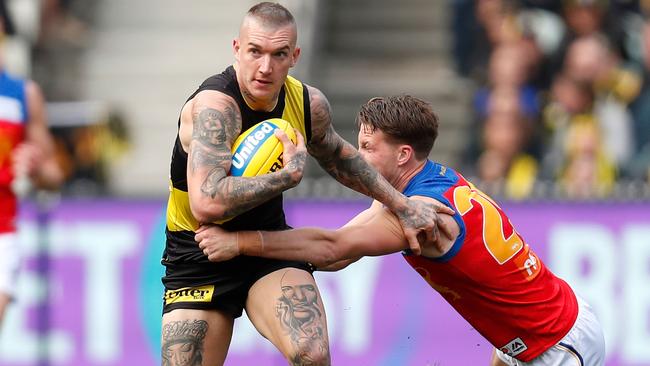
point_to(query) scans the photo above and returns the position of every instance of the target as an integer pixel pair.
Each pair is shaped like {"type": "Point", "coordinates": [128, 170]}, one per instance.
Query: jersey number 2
{"type": "Point", "coordinates": [500, 247]}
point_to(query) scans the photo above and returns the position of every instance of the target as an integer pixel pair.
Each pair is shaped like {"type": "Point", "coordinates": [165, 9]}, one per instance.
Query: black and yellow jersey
{"type": "Point", "coordinates": [292, 106]}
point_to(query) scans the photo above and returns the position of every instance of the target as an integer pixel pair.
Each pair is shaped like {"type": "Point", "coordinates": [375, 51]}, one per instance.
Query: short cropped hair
{"type": "Point", "coordinates": [272, 14]}
{"type": "Point", "coordinates": [405, 119]}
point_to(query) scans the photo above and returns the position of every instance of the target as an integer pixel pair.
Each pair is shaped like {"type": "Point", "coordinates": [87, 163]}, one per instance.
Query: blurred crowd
{"type": "Point", "coordinates": [564, 93]}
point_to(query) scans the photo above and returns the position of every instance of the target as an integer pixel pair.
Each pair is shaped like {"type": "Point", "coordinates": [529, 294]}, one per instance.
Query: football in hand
{"type": "Point", "coordinates": [257, 151]}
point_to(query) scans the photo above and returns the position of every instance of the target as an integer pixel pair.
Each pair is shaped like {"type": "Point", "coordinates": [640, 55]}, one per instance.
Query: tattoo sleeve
{"type": "Point", "coordinates": [182, 343]}
{"type": "Point", "coordinates": [213, 134]}
{"type": "Point", "coordinates": [340, 159]}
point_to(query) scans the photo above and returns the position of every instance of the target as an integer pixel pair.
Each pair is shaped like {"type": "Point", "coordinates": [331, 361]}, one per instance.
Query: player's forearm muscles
{"type": "Point", "coordinates": [210, 158]}
{"type": "Point", "coordinates": [342, 161]}
{"type": "Point", "coordinates": [306, 244]}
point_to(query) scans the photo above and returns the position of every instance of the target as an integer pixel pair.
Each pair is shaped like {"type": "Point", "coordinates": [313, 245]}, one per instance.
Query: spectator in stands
{"type": "Point", "coordinates": [508, 109]}
{"type": "Point", "coordinates": [588, 172]}
{"type": "Point", "coordinates": [574, 152]}
{"type": "Point", "coordinates": [59, 24]}
{"type": "Point", "coordinates": [590, 60]}
{"type": "Point", "coordinates": [506, 135]}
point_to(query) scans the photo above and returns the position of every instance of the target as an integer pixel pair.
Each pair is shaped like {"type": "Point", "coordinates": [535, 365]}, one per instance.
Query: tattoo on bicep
{"type": "Point", "coordinates": [301, 314]}
{"type": "Point", "coordinates": [213, 131]}
{"type": "Point", "coordinates": [321, 115]}
{"type": "Point", "coordinates": [182, 342]}
{"type": "Point", "coordinates": [213, 127]}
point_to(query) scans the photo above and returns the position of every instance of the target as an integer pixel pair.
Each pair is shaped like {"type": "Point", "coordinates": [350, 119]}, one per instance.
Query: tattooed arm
{"type": "Point", "coordinates": [375, 231]}
{"type": "Point", "coordinates": [343, 162]}
{"type": "Point", "coordinates": [210, 123]}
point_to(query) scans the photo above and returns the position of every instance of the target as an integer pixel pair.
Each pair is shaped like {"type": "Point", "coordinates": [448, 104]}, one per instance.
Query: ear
{"type": "Point", "coordinates": [404, 154]}
{"type": "Point", "coordinates": [235, 48]}
{"type": "Point", "coordinates": [295, 56]}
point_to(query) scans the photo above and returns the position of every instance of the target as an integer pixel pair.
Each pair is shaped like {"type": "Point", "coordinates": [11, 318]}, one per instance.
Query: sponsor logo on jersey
{"type": "Point", "coordinates": [528, 263]}
{"type": "Point", "coordinates": [189, 294]}
{"type": "Point", "coordinates": [514, 347]}
{"type": "Point", "coordinates": [251, 143]}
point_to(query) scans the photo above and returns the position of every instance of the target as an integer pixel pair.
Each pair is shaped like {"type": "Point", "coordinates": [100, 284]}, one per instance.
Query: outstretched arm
{"type": "Point", "coordinates": [210, 123]}
{"type": "Point", "coordinates": [375, 231]}
{"type": "Point", "coordinates": [343, 162]}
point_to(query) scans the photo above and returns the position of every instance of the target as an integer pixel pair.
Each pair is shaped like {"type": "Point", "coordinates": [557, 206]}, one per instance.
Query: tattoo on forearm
{"type": "Point", "coordinates": [182, 342]}
{"type": "Point", "coordinates": [298, 161]}
{"type": "Point", "coordinates": [339, 158]}
{"type": "Point", "coordinates": [301, 314]}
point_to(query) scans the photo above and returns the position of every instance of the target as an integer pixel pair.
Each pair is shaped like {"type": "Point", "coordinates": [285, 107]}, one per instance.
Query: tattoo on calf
{"type": "Point", "coordinates": [182, 342]}
{"type": "Point", "coordinates": [301, 314]}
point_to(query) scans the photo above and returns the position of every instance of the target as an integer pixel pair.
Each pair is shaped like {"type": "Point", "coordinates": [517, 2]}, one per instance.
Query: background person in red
{"type": "Point", "coordinates": [26, 158]}
{"type": "Point", "coordinates": [487, 272]}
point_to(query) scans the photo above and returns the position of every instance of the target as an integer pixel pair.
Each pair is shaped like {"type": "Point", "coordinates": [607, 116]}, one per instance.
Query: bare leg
{"type": "Point", "coordinates": [286, 308]}
{"type": "Point", "coordinates": [496, 361]}
{"type": "Point", "coordinates": [195, 337]}
{"type": "Point", "coordinates": [4, 302]}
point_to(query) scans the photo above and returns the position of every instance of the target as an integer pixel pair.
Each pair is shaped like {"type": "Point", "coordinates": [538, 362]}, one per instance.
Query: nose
{"type": "Point", "coordinates": [299, 294]}
{"type": "Point", "coordinates": [362, 153]}
{"type": "Point", "coordinates": [265, 65]}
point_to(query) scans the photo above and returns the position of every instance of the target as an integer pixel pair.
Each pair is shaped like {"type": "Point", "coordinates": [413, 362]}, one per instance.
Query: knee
{"type": "Point", "coordinates": [312, 355]}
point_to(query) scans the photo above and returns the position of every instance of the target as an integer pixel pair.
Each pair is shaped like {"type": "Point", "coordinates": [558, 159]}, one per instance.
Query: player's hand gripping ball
{"type": "Point", "coordinates": [257, 151]}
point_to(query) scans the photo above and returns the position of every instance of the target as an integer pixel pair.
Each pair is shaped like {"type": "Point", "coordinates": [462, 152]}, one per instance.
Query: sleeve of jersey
{"type": "Point", "coordinates": [436, 190]}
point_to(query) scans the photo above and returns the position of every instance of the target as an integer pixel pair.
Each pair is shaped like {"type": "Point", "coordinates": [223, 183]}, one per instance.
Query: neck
{"type": "Point", "coordinates": [410, 171]}
{"type": "Point", "coordinates": [252, 102]}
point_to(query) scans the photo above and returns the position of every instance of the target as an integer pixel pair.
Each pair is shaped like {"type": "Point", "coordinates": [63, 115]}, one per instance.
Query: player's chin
{"type": "Point", "coordinates": [264, 87]}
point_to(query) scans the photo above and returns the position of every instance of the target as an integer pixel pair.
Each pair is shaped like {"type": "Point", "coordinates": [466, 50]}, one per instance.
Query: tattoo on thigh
{"type": "Point", "coordinates": [182, 342]}
{"type": "Point", "coordinates": [301, 314]}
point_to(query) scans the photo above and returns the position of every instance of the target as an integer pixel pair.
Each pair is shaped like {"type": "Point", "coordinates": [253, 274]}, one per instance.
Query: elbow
{"type": "Point", "coordinates": [205, 212]}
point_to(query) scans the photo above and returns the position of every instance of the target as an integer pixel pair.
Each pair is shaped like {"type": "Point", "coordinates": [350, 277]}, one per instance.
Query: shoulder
{"type": "Point", "coordinates": [225, 82]}
{"type": "Point", "coordinates": [293, 82]}
{"type": "Point", "coordinates": [316, 97]}
{"type": "Point", "coordinates": [453, 224]}
{"type": "Point", "coordinates": [321, 114]}
{"type": "Point", "coordinates": [433, 181]}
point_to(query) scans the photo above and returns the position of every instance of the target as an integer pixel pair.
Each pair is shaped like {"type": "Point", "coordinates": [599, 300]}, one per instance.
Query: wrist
{"type": "Point", "coordinates": [250, 243]}
{"type": "Point", "coordinates": [399, 205]}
